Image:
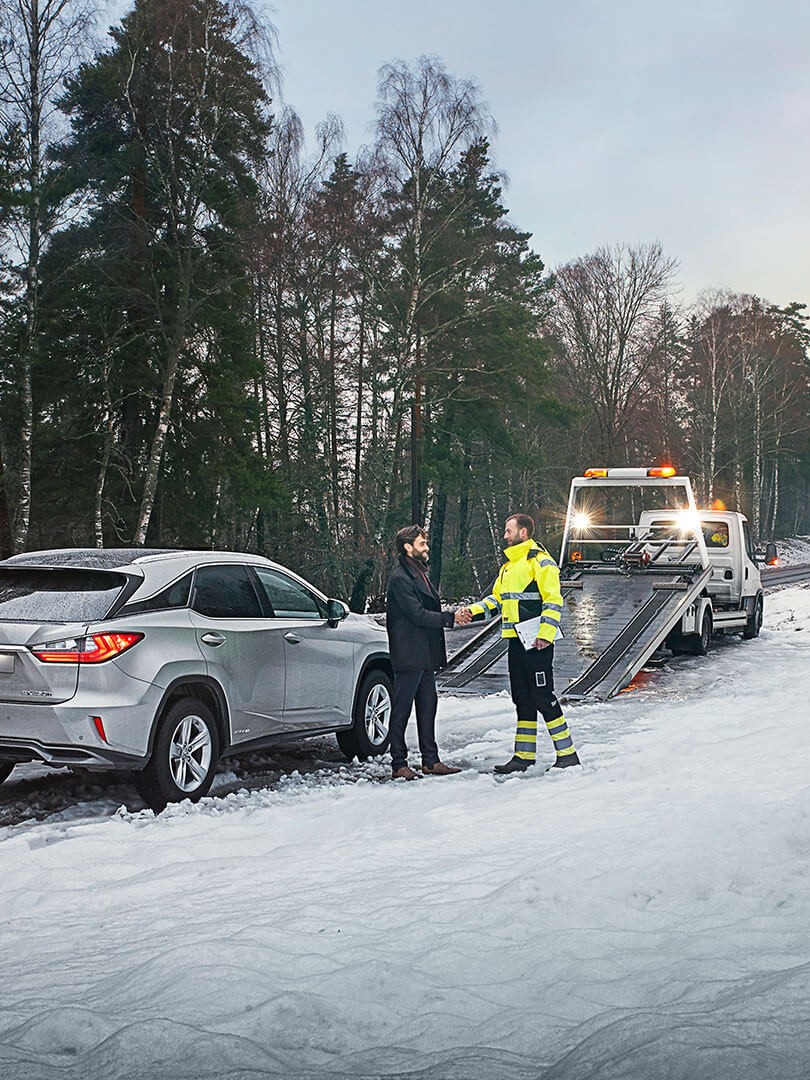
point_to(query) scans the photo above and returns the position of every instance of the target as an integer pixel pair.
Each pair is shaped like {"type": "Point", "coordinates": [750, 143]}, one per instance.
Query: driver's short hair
{"type": "Point", "coordinates": [523, 522]}
{"type": "Point", "coordinates": [407, 536]}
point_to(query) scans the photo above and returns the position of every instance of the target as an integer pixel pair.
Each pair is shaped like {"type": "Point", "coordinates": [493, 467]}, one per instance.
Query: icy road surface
{"type": "Point", "coordinates": [643, 917]}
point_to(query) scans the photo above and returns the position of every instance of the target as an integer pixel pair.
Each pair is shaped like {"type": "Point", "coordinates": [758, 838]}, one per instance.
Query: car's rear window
{"type": "Point", "coordinates": [34, 595]}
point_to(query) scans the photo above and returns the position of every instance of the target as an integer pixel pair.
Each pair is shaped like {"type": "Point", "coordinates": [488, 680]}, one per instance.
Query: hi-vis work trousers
{"type": "Point", "coordinates": [531, 681]}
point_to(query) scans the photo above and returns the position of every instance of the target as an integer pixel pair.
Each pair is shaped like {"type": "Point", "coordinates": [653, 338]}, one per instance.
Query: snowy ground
{"type": "Point", "coordinates": [643, 917]}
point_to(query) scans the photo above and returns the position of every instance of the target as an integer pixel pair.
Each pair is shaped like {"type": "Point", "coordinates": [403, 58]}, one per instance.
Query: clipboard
{"type": "Point", "coordinates": [527, 632]}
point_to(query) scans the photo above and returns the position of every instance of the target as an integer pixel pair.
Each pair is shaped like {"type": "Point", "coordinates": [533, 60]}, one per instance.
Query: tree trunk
{"type": "Point", "coordinates": [155, 461]}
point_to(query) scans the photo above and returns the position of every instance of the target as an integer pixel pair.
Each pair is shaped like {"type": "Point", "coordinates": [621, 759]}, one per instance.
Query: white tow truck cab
{"type": "Point", "coordinates": [731, 601]}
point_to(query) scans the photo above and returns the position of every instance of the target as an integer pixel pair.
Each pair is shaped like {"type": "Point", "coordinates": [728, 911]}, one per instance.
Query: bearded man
{"type": "Point", "coordinates": [416, 624]}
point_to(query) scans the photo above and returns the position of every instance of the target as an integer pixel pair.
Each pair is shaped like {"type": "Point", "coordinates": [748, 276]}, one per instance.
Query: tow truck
{"type": "Point", "coordinates": [641, 569]}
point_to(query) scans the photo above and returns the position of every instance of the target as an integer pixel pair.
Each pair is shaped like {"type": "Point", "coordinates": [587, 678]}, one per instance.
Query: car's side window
{"type": "Point", "coordinates": [225, 592]}
{"type": "Point", "coordinates": [287, 598]}
{"type": "Point", "coordinates": [173, 596]}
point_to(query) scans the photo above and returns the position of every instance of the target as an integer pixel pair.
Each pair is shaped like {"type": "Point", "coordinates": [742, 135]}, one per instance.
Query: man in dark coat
{"type": "Point", "coordinates": [416, 624]}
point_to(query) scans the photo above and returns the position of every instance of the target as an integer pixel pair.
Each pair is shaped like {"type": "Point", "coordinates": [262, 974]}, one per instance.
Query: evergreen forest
{"type": "Point", "coordinates": [215, 334]}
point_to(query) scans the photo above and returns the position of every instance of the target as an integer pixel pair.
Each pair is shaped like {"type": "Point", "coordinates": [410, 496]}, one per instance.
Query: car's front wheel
{"type": "Point", "coordinates": [184, 757]}
{"type": "Point", "coordinates": [6, 770]}
{"type": "Point", "coordinates": [369, 734]}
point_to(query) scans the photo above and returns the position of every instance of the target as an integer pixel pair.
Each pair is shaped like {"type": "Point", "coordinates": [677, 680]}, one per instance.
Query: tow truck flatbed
{"type": "Point", "coordinates": [629, 581]}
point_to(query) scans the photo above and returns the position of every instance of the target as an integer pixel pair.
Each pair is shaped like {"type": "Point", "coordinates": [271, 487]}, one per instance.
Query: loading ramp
{"type": "Point", "coordinates": [612, 623]}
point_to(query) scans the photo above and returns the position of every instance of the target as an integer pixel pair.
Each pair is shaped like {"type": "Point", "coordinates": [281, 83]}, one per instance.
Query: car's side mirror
{"type": "Point", "coordinates": [336, 611]}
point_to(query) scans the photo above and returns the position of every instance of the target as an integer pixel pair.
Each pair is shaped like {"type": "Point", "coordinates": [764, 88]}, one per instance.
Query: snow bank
{"type": "Point", "coordinates": [642, 917]}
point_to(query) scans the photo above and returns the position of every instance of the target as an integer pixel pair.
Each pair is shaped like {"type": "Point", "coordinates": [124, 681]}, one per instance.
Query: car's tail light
{"type": "Point", "coordinates": [93, 649]}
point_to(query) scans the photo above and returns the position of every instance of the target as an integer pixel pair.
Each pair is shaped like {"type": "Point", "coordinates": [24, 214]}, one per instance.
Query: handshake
{"type": "Point", "coordinates": [463, 616]}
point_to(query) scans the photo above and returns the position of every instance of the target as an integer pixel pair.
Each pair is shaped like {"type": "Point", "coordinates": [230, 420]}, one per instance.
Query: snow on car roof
{"type": "Point", "coordinates": [84, 558]}
{"type": "Point", "coordinates": [115, 558]}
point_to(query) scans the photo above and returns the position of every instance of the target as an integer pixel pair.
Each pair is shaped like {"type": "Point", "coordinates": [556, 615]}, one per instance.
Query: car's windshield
{"type": "Point", "coordinates": [63, 595]}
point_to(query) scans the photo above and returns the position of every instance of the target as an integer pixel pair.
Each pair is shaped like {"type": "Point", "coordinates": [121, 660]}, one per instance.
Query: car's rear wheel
{"type": "Point", "coordinates": [6, 769]}
{"type": "Point", "coordinates": [370, 734]}
{"type": "Point", "coordinates": [184, 757]}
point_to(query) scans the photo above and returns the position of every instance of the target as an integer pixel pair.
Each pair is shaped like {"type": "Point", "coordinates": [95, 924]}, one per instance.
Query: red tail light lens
{"type": "Point", "coordinates": [93, 649]}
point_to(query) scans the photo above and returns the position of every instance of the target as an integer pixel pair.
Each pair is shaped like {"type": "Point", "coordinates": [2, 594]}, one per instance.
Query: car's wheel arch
{"type": "Point", "coordinates": [379, 662]}
{"type": "Point", "coordinates": [202, 688]}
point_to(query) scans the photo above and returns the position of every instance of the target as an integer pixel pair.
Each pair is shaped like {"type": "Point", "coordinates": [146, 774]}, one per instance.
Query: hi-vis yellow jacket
{"type": "Point", "coordinates": [528, 585]}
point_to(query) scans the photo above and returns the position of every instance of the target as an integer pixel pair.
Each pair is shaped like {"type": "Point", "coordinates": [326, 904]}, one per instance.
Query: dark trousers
{"type": "Point", "coordinates": [531, 681]}
{"type": "Point", "coordinates": [414, 687]}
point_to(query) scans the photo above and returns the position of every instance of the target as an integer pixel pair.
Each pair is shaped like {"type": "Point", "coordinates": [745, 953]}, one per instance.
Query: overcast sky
{"type": "Point", "coordinates": [682, 121]}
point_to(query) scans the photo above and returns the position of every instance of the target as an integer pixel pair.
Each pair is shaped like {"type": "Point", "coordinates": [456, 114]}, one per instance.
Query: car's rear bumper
{"type": "Point", "coordinates": [86, 758]}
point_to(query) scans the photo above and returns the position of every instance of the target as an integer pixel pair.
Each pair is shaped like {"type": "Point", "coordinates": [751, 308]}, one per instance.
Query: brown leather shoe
{"type": "Point", "coordinates": [405, 774]}
{"type": "Point", "coordinates": [439, 769]}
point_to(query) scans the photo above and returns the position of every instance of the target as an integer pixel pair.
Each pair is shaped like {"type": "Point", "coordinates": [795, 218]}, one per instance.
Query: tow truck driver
{"type": "Point", "coordinates": [528, 586]}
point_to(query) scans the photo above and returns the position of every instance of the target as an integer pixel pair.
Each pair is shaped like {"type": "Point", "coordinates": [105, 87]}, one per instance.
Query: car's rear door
{"type": "Point", "coordinates": [243, 649]}
{"type": "Point", "coordinates": [320, 659]}
{"type": "Point", "coordinates": [41, 605]}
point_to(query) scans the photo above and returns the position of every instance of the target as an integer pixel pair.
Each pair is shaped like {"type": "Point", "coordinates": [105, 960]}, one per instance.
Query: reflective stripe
{"type": "Point", "coordinates": [565, 753]}
{"type": "Point", "coordinates": [561, 744]}
{"type": "Point", "coordinates": [527, 739]}
{"type": "Point", "coordinates": [521, 596]}
{"type": "Point", "coordinates": [546, 562]}
{"type": "Point", "coordinates": [525, 757]}
{"type": "Point", "coordinates": [560, 724]}
{"type": "Point", "coordinates": [553, 607]}
{"type": "Point", "coordinates": [549, 621]}
{"type": "Point", "coordinates": [527, 726]}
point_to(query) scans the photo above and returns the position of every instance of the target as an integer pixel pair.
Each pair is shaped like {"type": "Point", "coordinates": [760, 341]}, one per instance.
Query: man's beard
{"type": "Point", "coordinates": [422, 557]}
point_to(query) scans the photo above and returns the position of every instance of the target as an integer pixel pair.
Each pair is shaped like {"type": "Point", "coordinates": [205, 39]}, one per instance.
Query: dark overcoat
{"type": "Point", "coordinates": [415, 620]}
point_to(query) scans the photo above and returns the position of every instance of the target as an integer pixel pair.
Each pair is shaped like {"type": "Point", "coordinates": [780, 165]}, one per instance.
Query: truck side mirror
{"type": "Point", "coordinates": [771, 555]}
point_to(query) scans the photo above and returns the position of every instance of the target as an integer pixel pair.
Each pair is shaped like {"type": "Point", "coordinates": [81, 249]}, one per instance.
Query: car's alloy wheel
{"type": "Point", "coordinates": [377, 714]}
{"type": "Point", "coordinates": [184, 757]}
{"type": "Point", "coordinates": [370, 732]}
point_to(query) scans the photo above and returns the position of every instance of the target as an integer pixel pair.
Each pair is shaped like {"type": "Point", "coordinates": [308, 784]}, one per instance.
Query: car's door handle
{"type": "Point", "coordinates": [293, 639]}
{"type": "Point", "coordinates": [213, 639]}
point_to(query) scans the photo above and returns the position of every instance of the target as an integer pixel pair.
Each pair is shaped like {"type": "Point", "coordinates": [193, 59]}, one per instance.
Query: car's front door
{"type": "Point", "coordinates": [319, 658]}
{"type": "Point", "coordinates": [243, 649]}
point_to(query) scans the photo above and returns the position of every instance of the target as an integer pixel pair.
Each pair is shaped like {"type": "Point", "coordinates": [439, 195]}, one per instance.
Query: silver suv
{"type": "Point", "coordinates": [162, 662]}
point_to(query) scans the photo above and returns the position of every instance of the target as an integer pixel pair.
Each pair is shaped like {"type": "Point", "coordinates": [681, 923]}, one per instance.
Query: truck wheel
{"type": "Point", "coordinates": [754, 624]}
{"type": "Point", "coordinates": [6, 770]}
{"type": "Point", "coordinates": [369, 734]}
{"type": "Point", "coordinates": [184, 757]}
{"type": "Point", "coordinates": [699, 643]}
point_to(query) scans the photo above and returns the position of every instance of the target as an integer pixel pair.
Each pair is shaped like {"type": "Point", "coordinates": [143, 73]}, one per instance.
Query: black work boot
{"type": "Point", "coordinates": [566, 760]}
{"type": "Point", "coordinates": [516, 764]}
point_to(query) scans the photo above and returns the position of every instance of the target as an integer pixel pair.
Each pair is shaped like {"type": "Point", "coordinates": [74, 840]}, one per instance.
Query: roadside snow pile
{"type": "Point", "coordinates": [794, 551]}
{"type": "Point", "coordinates": [643, 917]}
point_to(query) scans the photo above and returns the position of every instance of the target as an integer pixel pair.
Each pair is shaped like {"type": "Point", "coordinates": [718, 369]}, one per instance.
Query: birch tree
{"type": "Point", "coordinates": [40, 41]}
{"type": "Point", "coordinates": [426, 118]}
{"type": "Point", "coordinates": [608, 331]}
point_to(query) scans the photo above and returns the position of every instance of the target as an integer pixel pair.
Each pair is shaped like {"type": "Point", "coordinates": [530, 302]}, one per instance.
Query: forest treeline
{"type": "Point", "coordinates": [214, 337]}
